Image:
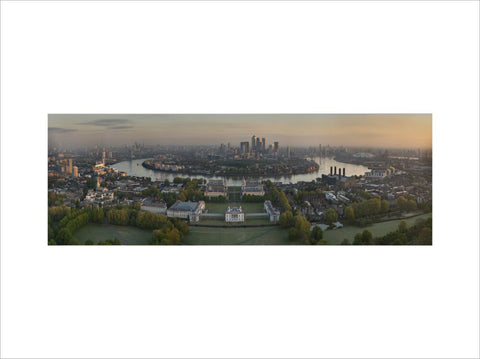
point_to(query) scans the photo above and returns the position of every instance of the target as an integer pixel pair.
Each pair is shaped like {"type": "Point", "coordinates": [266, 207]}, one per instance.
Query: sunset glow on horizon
{"type": "Point", "coordinates": [369, 130]}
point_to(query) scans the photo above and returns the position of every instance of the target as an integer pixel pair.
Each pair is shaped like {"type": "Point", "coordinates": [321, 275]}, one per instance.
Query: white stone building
{"type": "Point", "coordinates": [216, 188]}
{"type": "Point", "coordinates": [234, 214]}
{"type": "Point", "coordinates": [159, 207]}
{"type": "Point", "coordinates": [273, 213]}
{"type": "Point", "coordinates": [252, 188]}
{"type": "Point", "coordinates": [186, 210]}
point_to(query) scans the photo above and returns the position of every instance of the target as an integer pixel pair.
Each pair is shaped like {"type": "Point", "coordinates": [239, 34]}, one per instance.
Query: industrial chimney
{"type": "Point", "coordinates": [335, 170]}
{"type": "Point", "coordinates": [331, 170]}
{"type": "Point", "coordinates": [343, 171]}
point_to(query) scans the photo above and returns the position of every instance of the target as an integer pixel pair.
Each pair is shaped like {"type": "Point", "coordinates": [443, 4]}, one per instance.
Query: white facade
{"type": "Point", "coordinates": [252, 188]}
{"type": "Point", "coordinates": [186, 210]}
{"type": "Point", "coordinates": [273, 214]}
{"type": "Point", "coordinates": [234, 214]}
{"type": "Point", "coordinates": [216, 188]}
{"type": "Point", "coordinates": [154, 207]}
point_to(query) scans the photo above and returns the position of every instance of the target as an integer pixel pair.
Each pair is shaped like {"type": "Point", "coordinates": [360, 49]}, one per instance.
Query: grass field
{"type": "Point", "coordinates": [101, 232]}
{"type": "Point", "coordinates": [229, 236]}
{"type": "Point", "coordinates": [234, 193]}
{"type": "Point", "coordinates": [378, 229]}
{"type": "Point", "coordinates": [247, 207]}
{"type": "Point", "coordinates": [221, 222]}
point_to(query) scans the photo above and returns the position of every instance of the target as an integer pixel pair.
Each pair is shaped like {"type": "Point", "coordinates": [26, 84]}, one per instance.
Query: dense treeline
{"type": "Point", "coordinates": [148, 220]}
{"type": "Point", "coordinates": [63, 222]}
{"type": "Point", "coordinates": [299, 229]}
{"type": "Point", "coordinates": [406, 204]}
{"type": "Point", "coordinates": [418, 234]}
{"type": "Point", "coordinates": [277, 197]}
{"type": "Point", "coordinates": [126, 216]}
{"type": "Point", "coordinates": [190, 192]}
{"type": "Point", "coordinates": [368, 208]}
{"type": "Point", "coordinates": [171, 230]}
{"type": "Point", "coordinates": [55, 199]}
{"type": "Point", "coordinates": [303, 195]}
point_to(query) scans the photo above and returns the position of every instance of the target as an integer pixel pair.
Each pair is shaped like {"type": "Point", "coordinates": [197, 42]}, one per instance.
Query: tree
{"type": "Point", "coordinates": [411, 205]}
{"type": "Point", "coordinates": [349, 214]}
{"type": "Point", "coordinates": [367, 237]}
{"type": "Point", "coordinates": [167, 236]}
{"type": "Point", "coordinates": [302, 225]}
{"type": "Point", "coordinates": [292, 234]}
{"type": "Point", "coordinates": [402, 227]}
{"type": "Point", "coordinates": [166, 182]}
{"type": "Point", "coordinates": [182, 197]}
{"type": "Point", "coordinates": [97, 215]}
{"type": "Point", "coordinates": [148, 220]}
{"type": "Point", "coordinates": [363, 238]}
{"type": "Point", "coordinates": [425, 236]}
{"type": "Point", "coordinates": [331, 216]}
{"type": "Point", "coordinates": [316, 235]}
{"type": "Point", "coordinates": [357, 240]}
{"type": "Point", "coordinates": [385, 206]}
{"type": "Point", "coordinates": [402, 203]}
{"type": "Point", "coordinates": [88, 242]}
{"type": "Point", "coordinates": [64, 236]}
{"type": "Point", "coordinates": [345, 242]}
{"type": "Point", "coordinates": [286, 219]}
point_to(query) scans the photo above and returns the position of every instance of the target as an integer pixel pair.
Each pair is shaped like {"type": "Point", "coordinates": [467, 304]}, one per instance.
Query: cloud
{"type": "Point", "coordinates": [119, 127]}
{"type": "Point", "coordinates": [60, 130]}
{"type": "Point", "coordinates": [107, 122]}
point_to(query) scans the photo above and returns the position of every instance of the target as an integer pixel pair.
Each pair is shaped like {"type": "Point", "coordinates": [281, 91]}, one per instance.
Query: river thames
{"type": "Point", "coordinates": [135, 168]}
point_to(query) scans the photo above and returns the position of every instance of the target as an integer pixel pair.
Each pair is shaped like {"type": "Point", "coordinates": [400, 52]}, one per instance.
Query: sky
{"type": "Point", "coordinates": [372, 130]}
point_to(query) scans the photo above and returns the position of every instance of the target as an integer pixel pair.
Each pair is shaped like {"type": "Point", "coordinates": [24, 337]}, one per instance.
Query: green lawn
{"type": "Point", "coordinates": [234, 193]}
{"type": "Point", "coordinates": [101, 232]}
{"type": "Point", "coordinates": [336, 236]}
{"type": "Point", "coordinates": [232, 236]}
{"type": "Point", "coordinates": [247, 207]}
{"type": "Point", "coordinates": [221, 222]}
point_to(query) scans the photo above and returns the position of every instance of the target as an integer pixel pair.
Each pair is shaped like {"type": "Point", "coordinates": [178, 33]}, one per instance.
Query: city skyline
{"type": "Point", "coordinates": [374, 130]}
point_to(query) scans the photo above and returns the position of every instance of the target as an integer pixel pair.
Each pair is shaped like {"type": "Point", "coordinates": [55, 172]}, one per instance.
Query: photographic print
{"type": "Point", "coordinates": [240, 179]}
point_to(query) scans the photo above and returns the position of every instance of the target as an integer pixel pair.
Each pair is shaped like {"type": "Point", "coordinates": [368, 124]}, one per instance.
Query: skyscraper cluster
{"type": "Point", "coordinates": [259, 145]}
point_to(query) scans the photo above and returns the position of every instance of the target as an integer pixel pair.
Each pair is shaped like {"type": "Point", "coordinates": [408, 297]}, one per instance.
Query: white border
{"type": "Point", "coordinates": [239, 57]}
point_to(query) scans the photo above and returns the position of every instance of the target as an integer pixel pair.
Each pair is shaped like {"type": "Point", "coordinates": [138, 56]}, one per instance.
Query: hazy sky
{"type": "Point", "coordinates": [409, 130]}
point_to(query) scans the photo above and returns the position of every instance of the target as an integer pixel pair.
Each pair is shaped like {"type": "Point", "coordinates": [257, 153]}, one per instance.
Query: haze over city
{"type": "Point", "coordinates": [373, 130]}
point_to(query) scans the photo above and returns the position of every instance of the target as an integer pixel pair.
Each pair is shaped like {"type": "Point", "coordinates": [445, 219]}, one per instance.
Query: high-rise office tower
{"type": "Point", "coordinates": [276, 147]}
{"type": "Point", "coordinates": [244, 147]}
{"type": "Point", "coordinates": [254, 142]}
{"type": "Point", "coordinates": [264, 144]}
